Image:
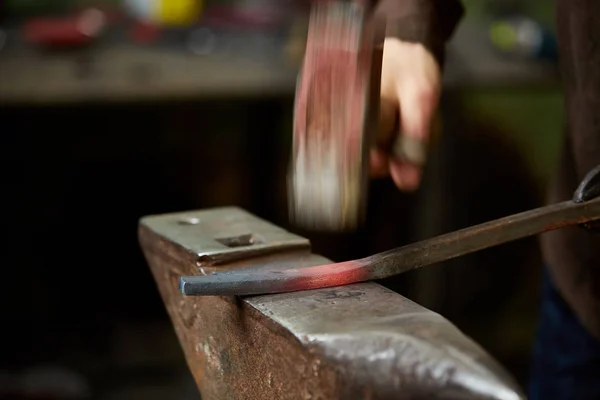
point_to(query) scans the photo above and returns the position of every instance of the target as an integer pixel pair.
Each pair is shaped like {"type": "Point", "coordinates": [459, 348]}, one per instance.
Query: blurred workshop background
{"type": "Point", "coordinates": [115, 109]}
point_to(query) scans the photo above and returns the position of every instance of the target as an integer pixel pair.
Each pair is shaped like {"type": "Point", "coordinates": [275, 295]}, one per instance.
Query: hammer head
{"type": "Point", "coordinates": [335, 117]}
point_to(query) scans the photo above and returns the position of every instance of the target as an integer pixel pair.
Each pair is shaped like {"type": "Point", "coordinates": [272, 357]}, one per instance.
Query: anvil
{"type": "Point", "coordinates": [352, 342]}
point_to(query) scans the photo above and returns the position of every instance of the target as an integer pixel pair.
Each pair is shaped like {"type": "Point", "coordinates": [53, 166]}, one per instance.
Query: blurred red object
{"type": "Point", "coordinates": [71, 31]}
{"type": "Point", "coordinates": [144, 33]}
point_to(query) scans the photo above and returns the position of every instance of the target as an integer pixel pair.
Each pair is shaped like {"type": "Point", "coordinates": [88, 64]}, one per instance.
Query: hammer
{"type": "Point", "coordinates": [337, 116]}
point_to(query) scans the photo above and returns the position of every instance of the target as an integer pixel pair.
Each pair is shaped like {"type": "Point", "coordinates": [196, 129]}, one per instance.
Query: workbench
{"type": "Point", "coordinates": [132, 73]}
{"type": "Point", "coordinates": [116, 70]}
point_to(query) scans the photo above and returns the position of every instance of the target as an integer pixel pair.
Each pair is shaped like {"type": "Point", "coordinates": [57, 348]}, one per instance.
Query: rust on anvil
{"type": "Point", "coordinates": [359, 341]}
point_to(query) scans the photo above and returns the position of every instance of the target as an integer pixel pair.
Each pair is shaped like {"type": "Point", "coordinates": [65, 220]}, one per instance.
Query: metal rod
{"type": "Point", "coordinates": [396, 261]}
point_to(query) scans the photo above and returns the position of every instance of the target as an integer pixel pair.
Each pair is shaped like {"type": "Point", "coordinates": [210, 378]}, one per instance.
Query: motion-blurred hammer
{"type": "Point", "coordinates": [337, 115]}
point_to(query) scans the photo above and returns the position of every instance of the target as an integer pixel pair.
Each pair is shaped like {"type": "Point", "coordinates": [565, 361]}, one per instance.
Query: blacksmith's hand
{"type": "Point", "coordinates": [410, 90]}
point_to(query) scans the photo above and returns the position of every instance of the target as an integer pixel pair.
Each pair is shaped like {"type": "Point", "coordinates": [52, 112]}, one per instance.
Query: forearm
{"type": "Point", "coordinates": [429, 22]}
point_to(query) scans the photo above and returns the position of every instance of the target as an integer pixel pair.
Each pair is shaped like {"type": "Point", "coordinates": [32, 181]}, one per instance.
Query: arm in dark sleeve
{"type": "Point", "coordinates": [429, 22]}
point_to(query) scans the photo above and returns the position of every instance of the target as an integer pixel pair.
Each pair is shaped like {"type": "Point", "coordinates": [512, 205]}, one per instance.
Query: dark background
{"type": "Point", "coordinates": [84, 156]}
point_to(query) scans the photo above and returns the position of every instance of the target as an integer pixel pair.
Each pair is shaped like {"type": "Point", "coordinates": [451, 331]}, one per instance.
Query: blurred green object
{"type": "Point", "coordinates": [540, 10]}
{"type": "Point", "coordinates": [523, 37]}
{"type": "Point", "coordinates": [503, 35]}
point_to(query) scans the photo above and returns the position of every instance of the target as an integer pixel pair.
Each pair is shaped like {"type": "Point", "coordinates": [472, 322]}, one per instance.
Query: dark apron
{"type": "Point", "coordinates": [573, 255]}
{"type": "Point", "coordinates": [566, 362]}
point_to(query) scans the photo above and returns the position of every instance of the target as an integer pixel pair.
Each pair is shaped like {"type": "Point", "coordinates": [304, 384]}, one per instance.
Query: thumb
{"type": "Point", "coordinates": [417, 107]}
